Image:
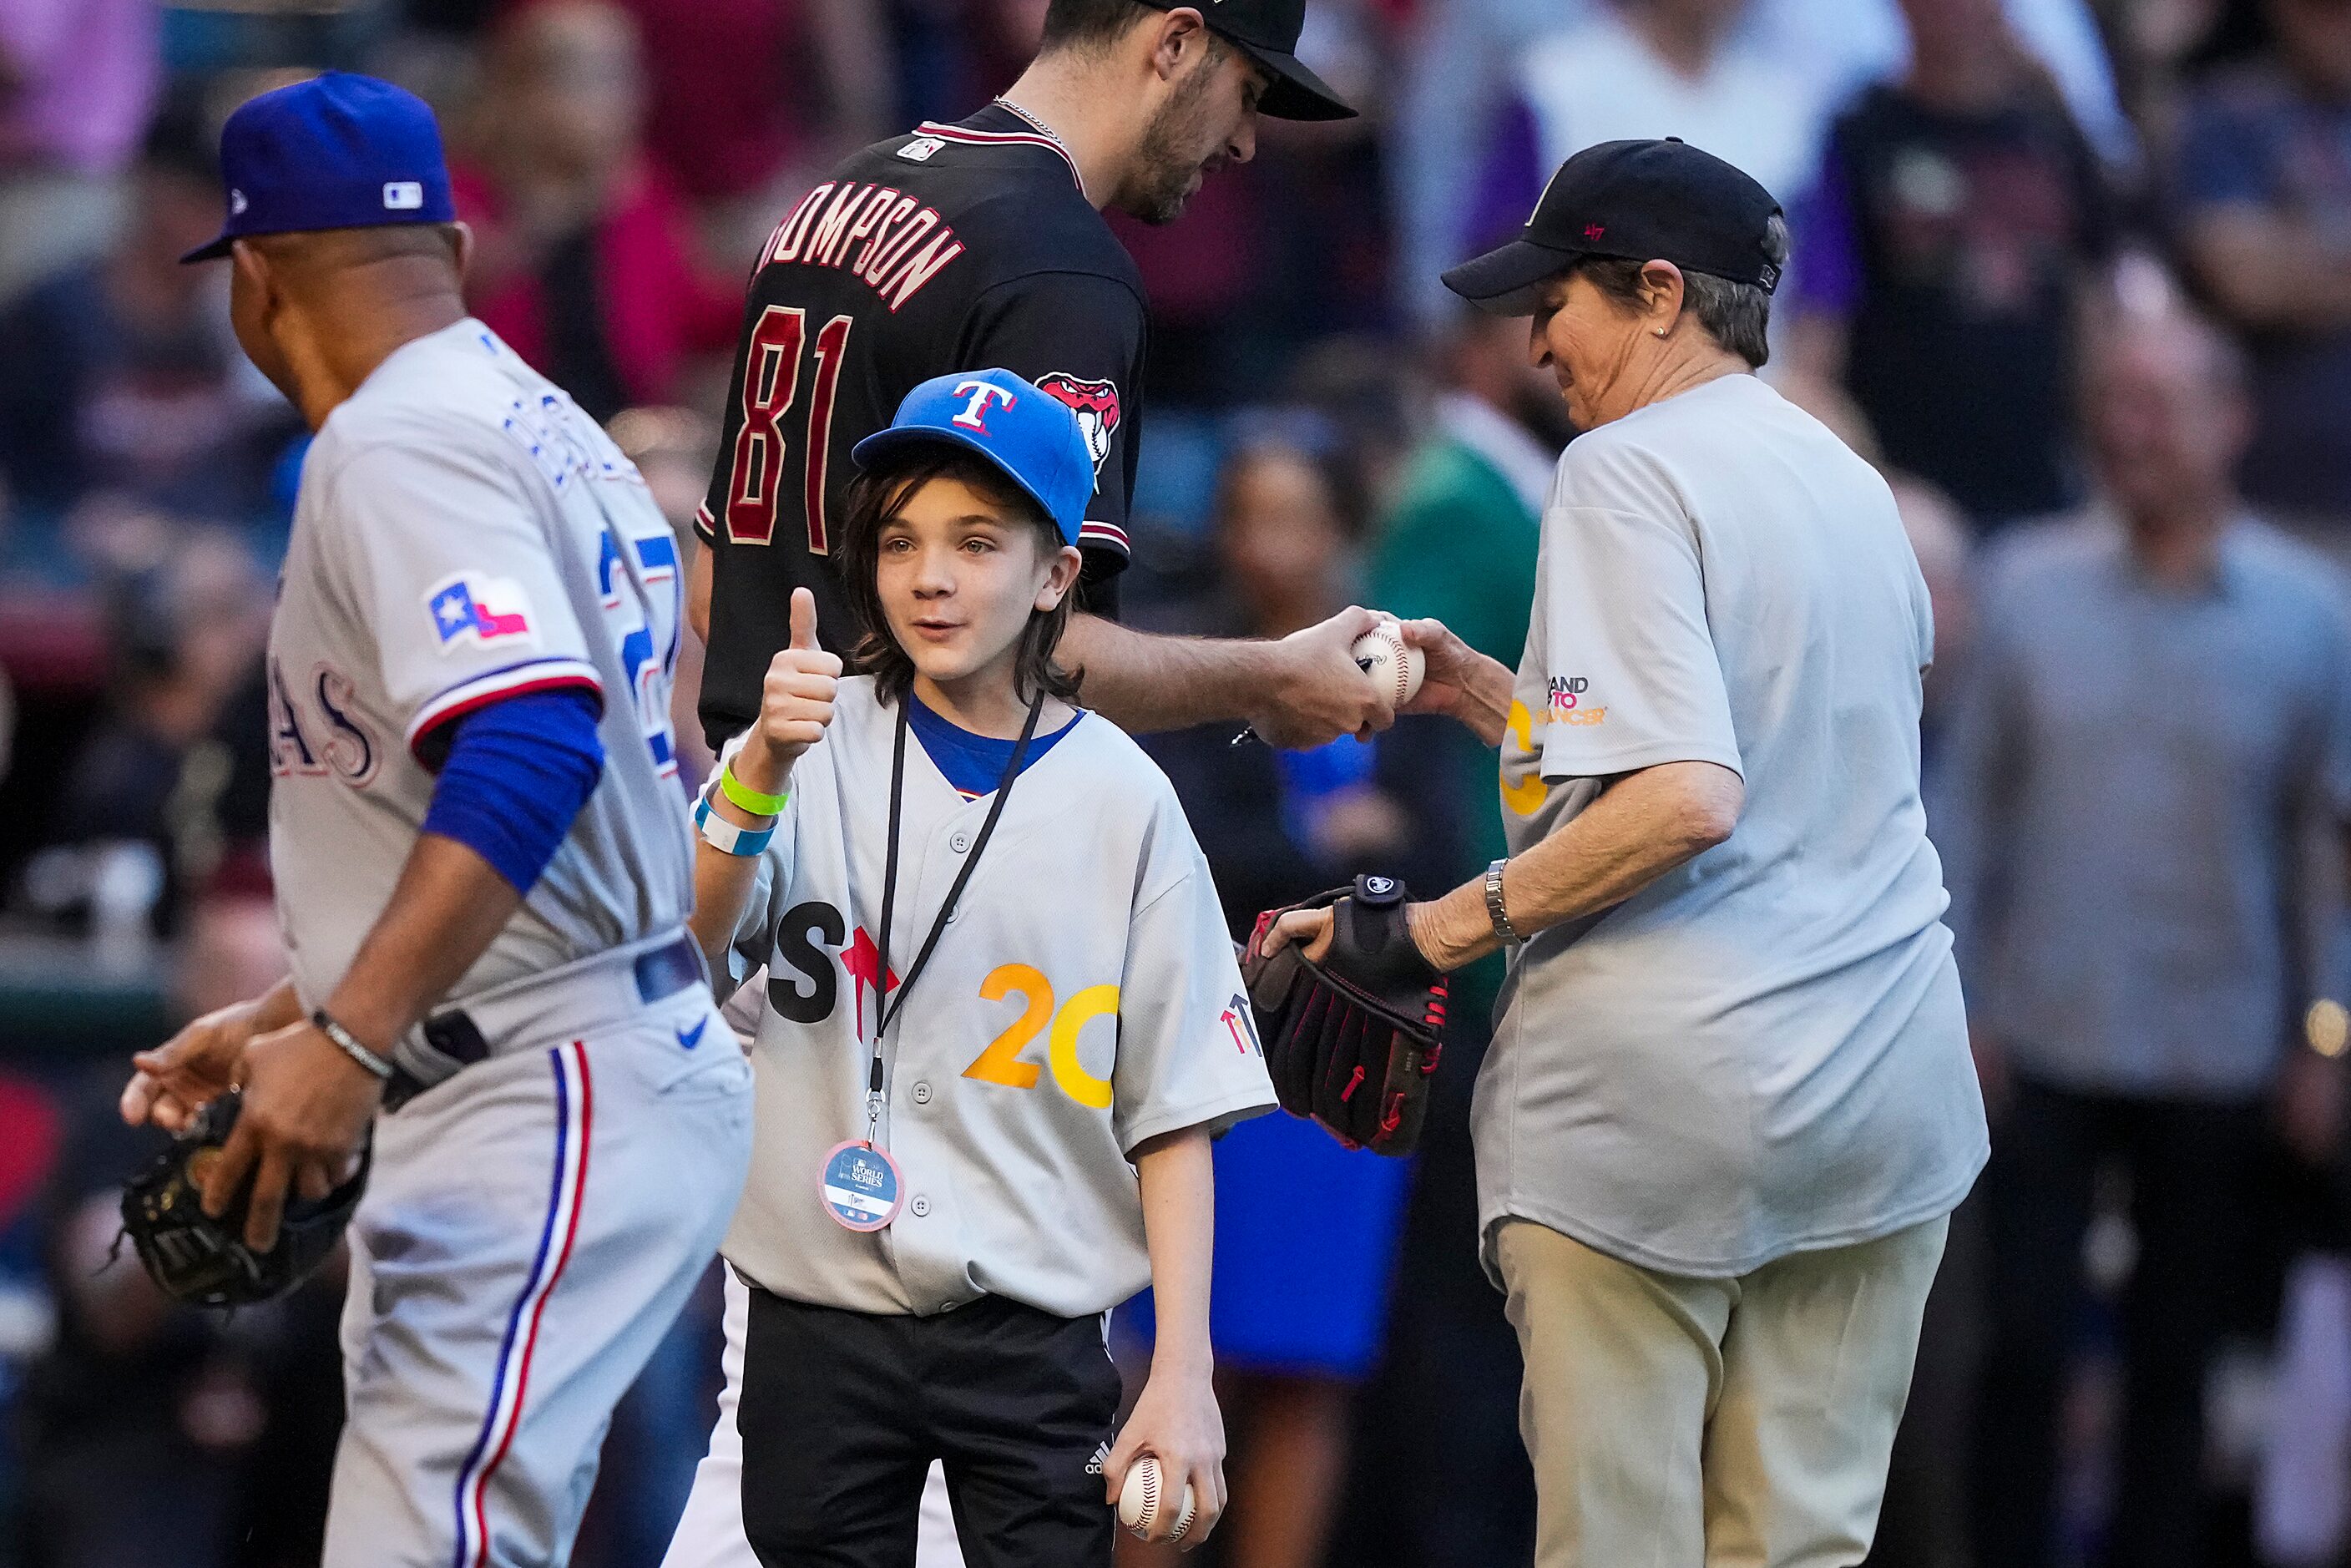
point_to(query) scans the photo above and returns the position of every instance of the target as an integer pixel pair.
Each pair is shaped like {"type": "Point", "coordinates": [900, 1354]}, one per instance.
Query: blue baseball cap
{"type": "Point", "coordinates": [338, 151]}
{"type": "Point", "coordinates": [1021, 428]}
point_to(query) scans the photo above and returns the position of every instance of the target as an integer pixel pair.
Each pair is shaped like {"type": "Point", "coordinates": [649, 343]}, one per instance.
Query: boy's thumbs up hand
{"type": "Point", "coordinates": [804, 624]}
{"type": "Point", "coordinates": [795, 706]}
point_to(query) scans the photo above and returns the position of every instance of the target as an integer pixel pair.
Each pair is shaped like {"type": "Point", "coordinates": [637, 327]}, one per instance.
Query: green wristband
{"type": "Point", "coordinates": [749, 799]}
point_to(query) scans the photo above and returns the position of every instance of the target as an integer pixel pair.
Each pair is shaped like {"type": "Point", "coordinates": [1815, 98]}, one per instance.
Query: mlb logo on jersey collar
{"type": "Point", "coordinates": [485, 608]}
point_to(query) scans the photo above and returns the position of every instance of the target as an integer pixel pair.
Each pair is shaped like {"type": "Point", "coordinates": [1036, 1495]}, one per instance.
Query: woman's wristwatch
{"type": "Point", "coordinates": [1494, 909]}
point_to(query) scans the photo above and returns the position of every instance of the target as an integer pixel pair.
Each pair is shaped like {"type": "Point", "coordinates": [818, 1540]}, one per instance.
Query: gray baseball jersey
{"type": "Point", "coordinates": [1083, 999]}
{"type": "Point", "coordinates": [464, 533]}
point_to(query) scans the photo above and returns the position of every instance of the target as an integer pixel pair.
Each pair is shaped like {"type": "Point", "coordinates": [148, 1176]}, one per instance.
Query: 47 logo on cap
{"type": "Point", "coordinates": [483, 609]}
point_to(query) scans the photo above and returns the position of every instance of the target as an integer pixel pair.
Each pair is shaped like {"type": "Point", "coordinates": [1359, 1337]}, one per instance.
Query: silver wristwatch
{"type": "Point", "coordinates": [1494, 909]}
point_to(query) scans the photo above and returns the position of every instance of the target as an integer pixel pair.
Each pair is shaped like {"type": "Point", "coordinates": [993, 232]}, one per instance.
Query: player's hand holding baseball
{"type": "Point", "coordinates": [1318, 692]}
{"type": "Point", "coordinates": [795, 706]}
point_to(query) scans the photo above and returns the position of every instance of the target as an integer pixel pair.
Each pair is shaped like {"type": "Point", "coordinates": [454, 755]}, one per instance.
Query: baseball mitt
{"type": "Point", "coordinates": [1351, 1039]}
{"type": "Point", "coordinates": [197, 1259]}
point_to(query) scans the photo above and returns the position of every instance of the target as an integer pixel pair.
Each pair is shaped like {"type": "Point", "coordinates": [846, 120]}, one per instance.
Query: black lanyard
{"type": "Point", "coordinates": [884, 1012]}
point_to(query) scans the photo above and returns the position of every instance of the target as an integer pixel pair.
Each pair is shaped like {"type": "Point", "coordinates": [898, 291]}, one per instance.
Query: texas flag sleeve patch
{"type": "Point", "coordinates": [482, 610]}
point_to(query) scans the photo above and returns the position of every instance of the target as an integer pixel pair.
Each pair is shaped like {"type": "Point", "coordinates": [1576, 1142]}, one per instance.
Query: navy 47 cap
{"type": "Point", "coordinates": [1022, 429]}
{"type": "Point", "coordinates": [1640, 201]}
{"type": "Point", "coordinates": [338, 151]}
{"type": "Point", "coordinates": [1267, 32]}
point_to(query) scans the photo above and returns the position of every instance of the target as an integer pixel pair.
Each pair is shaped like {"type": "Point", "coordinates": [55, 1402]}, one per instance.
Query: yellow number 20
{"type": "Point", "coordinates": [1002, 1063]}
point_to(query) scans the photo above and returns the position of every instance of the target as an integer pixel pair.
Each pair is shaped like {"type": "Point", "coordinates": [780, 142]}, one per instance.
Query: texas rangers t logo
{"type": "Point", "coordinates": [975, 413]}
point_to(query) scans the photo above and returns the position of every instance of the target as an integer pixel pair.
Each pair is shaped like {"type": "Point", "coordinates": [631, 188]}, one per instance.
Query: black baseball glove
{"type": "Point", "coordinates": [203, 1260]}
{"type": "Point", "coordinates": [1350, 1041]}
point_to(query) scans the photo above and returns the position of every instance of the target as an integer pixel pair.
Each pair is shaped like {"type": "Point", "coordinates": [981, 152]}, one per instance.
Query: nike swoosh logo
{"type": "Point", "coordinates": [690, 1038]}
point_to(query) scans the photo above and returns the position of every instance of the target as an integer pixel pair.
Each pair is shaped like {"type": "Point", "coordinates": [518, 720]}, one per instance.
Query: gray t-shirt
{"type": "Point", "coordinates": [1763, 1052]}
{"type": "Point", "coordinates": [465, 534]}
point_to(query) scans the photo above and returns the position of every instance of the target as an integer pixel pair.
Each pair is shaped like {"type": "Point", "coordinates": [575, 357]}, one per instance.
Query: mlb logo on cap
{"type": "Point", "coordinates": [1022, 429]}
{"type": "Point", "coordinates": [337, 151]}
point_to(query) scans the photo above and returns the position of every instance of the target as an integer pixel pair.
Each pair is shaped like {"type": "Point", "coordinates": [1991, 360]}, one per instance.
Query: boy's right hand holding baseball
{"type": "Point", "coordinates": [794, 707]}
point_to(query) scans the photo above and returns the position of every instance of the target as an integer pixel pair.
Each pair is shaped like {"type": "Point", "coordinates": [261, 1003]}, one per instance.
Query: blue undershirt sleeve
{"type": "Point", "coordinates": [517, 772]}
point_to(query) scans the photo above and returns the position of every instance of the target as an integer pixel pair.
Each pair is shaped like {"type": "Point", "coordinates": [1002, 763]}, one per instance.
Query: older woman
{"type": "Point", "coordinates": [1729, 1104]}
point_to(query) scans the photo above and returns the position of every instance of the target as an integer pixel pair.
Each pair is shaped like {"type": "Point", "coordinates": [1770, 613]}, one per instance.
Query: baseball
{"type": "Point", "coordinates": [1139, 1499]}
{"type": "Point", "coordinates": [1384, 655]}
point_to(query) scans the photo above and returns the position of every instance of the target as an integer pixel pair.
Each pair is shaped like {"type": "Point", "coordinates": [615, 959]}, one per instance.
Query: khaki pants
{"type": "Point", "coordinates": [1746, 1423]}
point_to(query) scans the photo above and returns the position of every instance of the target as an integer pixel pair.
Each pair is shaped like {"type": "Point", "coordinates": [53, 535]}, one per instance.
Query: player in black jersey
{"type": "Point", "coordinates": [982, 244]}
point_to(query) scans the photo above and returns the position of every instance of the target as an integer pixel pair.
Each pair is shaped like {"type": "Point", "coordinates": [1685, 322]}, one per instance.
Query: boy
{"type": "Point", "coordinates": [944, 1201]}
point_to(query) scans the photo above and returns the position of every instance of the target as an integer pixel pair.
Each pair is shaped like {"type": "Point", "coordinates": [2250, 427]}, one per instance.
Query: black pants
{"type": "Point", "coordinates": [2190, 1167]}
{"type": "Point", "coordinates": [843, 1412]}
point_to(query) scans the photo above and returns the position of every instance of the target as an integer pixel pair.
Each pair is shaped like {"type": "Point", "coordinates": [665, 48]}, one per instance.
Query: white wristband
{"type": "Point", "coordinates": [728, 838]}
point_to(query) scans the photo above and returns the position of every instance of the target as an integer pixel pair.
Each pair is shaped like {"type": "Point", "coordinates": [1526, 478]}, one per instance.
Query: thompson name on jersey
{"type": "Point", "coordinates": [946, 248]}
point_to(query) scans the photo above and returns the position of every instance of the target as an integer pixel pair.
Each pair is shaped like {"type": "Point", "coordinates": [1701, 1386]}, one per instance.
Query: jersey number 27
{"type": "Point", "coordinates": [771, 385]}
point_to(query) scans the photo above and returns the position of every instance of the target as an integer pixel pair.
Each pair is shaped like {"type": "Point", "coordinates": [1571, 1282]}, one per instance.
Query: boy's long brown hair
{"type": "Point", "coordinates": [875, 498]}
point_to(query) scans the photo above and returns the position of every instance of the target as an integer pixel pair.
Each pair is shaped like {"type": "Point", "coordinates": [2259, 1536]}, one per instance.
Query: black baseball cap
{"type": "Point", "coordinates": [1642, 200]}
{"type": "Point", "coordinates": [1267, 32]}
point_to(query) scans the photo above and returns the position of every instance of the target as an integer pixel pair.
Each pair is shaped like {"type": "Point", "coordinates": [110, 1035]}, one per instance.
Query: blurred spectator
{"type": "Point", "coordinates": [749, 97]}
{"type": "Point", "coordinates": [179, 760]}
{"type": "Point", "coordinates": [1297, 1311]}
{"type": "Point", "coordinates": [1463, 53]}
{"type": "Point", "coordinates": [1939, 538]}
{"type": "Point", "coordinates": [136, 1422]}
{"type": "Point", "coordinates": [584, 261]}
{"type": "Point", "coordinates": [1942, 265]}
{"type": "Point", "coordinates": [77, 79]}
{"type": "Point", "coordinates": [2262, 185]}
{"type": "Point", "coordinates": [123, 374]}
{"type": "Point", "coordinates": [1646, 69]}
{"type": "Point", "coordinates": [2144, 779]}
{"type": "Point", "coordinates": [1459, 539]}
{"type": "Point", "coordinates": [29, 1135]}
{"type": "Point", "coordinates": [1851, 44]}
{"type": "Point", "coordinates": [2155, 43]}
{"type": "Point", "coordinates": [1457, 543]}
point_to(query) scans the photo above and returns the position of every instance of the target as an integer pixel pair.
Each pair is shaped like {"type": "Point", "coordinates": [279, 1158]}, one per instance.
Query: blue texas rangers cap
{"type": "Point", "coordinates": [338, 151]}
{"type": "Point", "coordinates": [1024, 430]}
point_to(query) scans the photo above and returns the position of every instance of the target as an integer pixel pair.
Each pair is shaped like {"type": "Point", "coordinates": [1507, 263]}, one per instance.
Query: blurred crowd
{"type": "Point", "coordinates": [2075, 274]}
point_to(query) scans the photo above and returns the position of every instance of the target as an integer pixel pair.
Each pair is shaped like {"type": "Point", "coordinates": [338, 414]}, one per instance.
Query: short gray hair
{"type": "Point", "coordinates": [1738, 315]}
